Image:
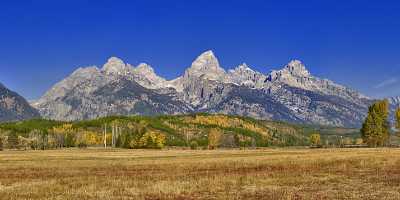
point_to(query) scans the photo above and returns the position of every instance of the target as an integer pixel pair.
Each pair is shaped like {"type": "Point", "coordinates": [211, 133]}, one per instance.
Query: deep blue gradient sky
{"type": "Point", "coordinates": [355, 43]}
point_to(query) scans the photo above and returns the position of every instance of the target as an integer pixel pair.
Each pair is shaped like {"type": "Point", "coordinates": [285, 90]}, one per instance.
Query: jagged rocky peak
{"type": "Point", "coordinates": [148, 78]}
{"type": "Point", "coordinates": [207, 66]}
{"type": "Point", "coordinates": [290, 93]}
{"type": "Point", "coordinates": [14, 107]}
{"type": "Point", "coordinates": [394, 100]}
{"type": "Point", "coordinates": [147, 71]}
{"type": "Point", "coordinates": [78, 77]}
{"type": "Point", "coordinates": [243, 68]}
{"type": "Point", "coordinates": [293, 71]}
{"type": "Point", "coordinates": [86, 71]}
{"type": "Point", "coordinates": [244, 75]}
{"type": "Point", "coordinates": [297, 68]}
{"type": "Point", "coordinates": [116, 66]}
{"type": "Point", "coordinates": [145, 68]}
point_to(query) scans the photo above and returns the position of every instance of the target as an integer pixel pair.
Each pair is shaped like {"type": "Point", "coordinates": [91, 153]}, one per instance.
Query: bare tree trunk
{"type": "Point", "coordinates": [105, 136]}
{"type": "Point", "coordinates": [112, 134]}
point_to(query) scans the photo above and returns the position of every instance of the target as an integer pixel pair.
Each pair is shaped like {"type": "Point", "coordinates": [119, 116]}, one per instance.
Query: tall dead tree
{"type": "Point", "coordinates": [105, 135]}
{"type": "Point", "coordinates": [116, 132]}
{"type": "Point", "coordinates": [112, 135]}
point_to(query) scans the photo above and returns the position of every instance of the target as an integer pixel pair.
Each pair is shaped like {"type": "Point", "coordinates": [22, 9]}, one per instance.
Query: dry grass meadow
{"type": "Point", "coordinates": [184, 174]}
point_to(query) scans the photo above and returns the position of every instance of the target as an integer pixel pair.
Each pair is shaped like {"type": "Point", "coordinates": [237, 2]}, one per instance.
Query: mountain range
{"type": "Point", "coordinates": [290, 94]}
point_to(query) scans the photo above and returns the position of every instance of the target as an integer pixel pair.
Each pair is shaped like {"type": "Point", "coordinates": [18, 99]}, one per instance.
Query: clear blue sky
{"type": "Point", "coordinates": [355, 43]}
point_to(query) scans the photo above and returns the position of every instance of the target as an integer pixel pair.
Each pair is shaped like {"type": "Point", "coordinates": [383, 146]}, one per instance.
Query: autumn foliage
{"type": "Point", "coordinates": [375, 130]}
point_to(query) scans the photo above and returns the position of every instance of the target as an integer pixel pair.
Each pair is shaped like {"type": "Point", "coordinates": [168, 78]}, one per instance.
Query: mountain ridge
{"type": "Point", "coordinates": [205, 86]}
{"type": "Point", "coordinates": [14, 107]}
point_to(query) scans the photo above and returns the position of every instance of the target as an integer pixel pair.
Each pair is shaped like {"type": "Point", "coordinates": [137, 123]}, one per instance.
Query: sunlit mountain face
{"type": "Point", "coordinates": [290, 94]}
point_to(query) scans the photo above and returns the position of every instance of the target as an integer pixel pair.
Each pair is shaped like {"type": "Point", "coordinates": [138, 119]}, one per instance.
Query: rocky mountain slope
{"type": "Point", "coordinates": [116, 89]}
{"type": "Point", "coordinates": [289, 94]}
{"type": "Point", "coordinates": [13, 107]}
{"type": "Point", "coordinates": [395, 101]}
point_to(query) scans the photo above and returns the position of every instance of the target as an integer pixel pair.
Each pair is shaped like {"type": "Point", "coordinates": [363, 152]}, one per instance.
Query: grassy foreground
{"type": "Point", "coordinates": [220, 174]}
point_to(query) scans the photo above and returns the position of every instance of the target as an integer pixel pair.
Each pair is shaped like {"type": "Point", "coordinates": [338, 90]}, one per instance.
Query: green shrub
{"type": "Point", "coordinates": [194, 145]}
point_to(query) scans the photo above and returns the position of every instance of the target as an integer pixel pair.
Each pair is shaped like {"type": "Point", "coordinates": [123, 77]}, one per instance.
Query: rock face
{"type": "Point", "coordinates": [394, 101]}
{"type": "Point", "coordinates": [292, 104]}
{"type": "Point", "coordinates": [13, 107]}
{"type": "Point", "coordinates": [202, 85]}
{"type": "Point", "coordinates": [145, 75]}
{"type": "Point", "coordinates": [290, 94]}
{"type": "Point", "coordinates": [113, 90]}
{"type": "Point", "coordinates": [243, 75]}
{"type": "Point", "coordinates": [206, 66]}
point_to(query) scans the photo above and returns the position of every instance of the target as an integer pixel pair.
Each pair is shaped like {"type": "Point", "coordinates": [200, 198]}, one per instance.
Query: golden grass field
{"type": "Point", "coordinates": [185, 174]}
